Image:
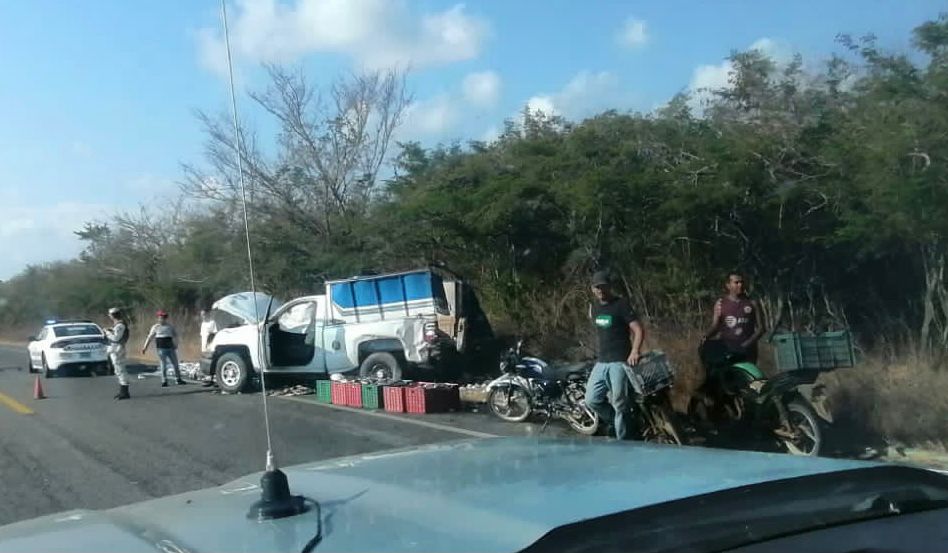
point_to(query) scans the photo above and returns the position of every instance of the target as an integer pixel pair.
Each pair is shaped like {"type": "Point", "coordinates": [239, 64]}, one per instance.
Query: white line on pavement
{"type": "Point", "coordinates": [383, 415]}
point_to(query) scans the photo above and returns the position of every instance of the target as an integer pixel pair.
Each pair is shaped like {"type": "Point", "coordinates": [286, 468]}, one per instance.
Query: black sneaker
{"type": "Point", "coordinates": [208, 384]}
{"type": "Point", "coordinates": [180, 382]}
{"type": "Point", "coordinates": [164, 384]}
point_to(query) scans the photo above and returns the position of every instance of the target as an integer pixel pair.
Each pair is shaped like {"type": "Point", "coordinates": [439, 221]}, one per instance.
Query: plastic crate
{"type": "Point", "coordinates": [324, 391]}
{"type": "Point", "coordinates": [653, 373]}
{"type": "Point", "coordinates": [829, 350]}
{"type": "Point", "coordinates": [427, 397]}
{"type": "Point", "coordinates": [393, 399]}
{"type": "Point", "coordinates": [373, 396]}
{"type": "Point", "coordinates": [354, 394]}
{"type": "Point", "coordinates": [338, 393]}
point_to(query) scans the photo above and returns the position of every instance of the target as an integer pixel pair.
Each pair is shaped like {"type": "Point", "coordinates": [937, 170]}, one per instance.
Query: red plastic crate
{"type": "Point", "coordinates": [394, 398]}
{"type": "Point", "coordinates": [432, 398]}
{"type": "Point", "coordinates": [338, 393]}
{"type": "Point", "coordinates": [354, 394]}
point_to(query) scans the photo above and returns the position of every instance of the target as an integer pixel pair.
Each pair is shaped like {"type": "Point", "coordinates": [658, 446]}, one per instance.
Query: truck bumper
{"type": "Point", "coordinates": [207, 364]}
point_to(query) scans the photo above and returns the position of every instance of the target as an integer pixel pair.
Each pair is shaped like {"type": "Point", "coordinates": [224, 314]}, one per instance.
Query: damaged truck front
{"type": "Point", "coordinates": [377, 326]}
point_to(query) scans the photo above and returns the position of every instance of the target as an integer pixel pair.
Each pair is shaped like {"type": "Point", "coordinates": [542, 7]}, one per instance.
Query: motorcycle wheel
{"type": "Point", "coordinates": [805, 424]}
{"type": "Point", "coordinates": [583, 420]}
{"type": "Point", "coordinates": [516, 408]}
{"type": "Point", "coordinates": [664, 428]}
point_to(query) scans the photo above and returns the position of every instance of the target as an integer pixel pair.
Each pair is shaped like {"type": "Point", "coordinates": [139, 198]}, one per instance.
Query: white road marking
{"type": "Point", "coordinates": [384, 415]}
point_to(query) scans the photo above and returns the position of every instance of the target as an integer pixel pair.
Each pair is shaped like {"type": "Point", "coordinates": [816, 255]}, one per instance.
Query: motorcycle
{"type": "Point", "coordinates": [528, 385]}
{"type": "Point", "coordinates": [652, 378]}
{"type": "Point", "coordinates": [775, 412]}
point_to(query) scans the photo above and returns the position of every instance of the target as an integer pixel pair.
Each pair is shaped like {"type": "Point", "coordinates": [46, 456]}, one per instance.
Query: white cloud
{"type": "Point", "coordinates": [439, 115]}
{"type": "Point", "coordinates": [482, 89]}
{"type": "Point", "coordinates": [633, 33]}
{"type": "Point", "coordinates": [707, 78]}
{"type": "Point", "coordinates": [430, 118]}
{"type": "Point", "coordinates": [37, 234]}
{"type": "Point", "coordinates": [585, 94]}
{"type": "Point", "coordinates": [151, 185]}
{"type": "Point", "coordinates": [376, 33]}
{"type": "Point", "coordinates": [491, 134]}
{"type": "Point", "coordinates": [544, 104]}
{"type": "Point", "coordinates": [777, 50]}
{"type": "Point", "coordinates": [212, 54]}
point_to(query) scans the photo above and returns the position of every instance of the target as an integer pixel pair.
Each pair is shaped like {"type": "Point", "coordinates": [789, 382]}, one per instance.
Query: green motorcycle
{"type": "Point", "coordinates": [739, 404]}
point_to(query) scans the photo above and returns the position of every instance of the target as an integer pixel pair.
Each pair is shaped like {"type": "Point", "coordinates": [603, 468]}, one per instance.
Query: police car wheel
{"type": "Point", "coordinates": [46, 372]}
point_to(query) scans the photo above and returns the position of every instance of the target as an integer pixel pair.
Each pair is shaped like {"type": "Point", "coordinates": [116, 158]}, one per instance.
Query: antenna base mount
{"type": "Point", "coordinates": [276, 500]}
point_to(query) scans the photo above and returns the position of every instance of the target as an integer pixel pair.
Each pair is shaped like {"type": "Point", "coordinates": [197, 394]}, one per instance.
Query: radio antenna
{"type": "Point", "coordinates": [276, 500]}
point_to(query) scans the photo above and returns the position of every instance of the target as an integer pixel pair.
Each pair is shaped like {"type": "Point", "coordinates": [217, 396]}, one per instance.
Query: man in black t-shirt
{"type": "Point", "coordinates": [620, 337]}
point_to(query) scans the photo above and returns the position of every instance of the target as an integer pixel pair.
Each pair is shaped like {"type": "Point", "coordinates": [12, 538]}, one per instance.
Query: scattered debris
{"type": "Point", "coordinates": [473, 393]}
{"type": "Point", "coordinates": [298, 390]}
{"type": "Point", "coordinates": [189, 370]}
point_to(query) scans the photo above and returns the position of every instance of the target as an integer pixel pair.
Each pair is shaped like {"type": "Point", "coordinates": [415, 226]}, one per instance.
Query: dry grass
{"type": "Point", "coordinates": [903, 401]}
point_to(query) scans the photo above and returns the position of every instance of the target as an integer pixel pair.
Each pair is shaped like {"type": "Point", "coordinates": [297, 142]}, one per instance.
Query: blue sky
{"type": "Point", "coordinates": [97, 97]}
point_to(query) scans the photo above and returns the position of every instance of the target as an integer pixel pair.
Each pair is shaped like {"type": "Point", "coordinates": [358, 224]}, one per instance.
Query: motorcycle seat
{"type": "Point", "coordinates": [568, 371]}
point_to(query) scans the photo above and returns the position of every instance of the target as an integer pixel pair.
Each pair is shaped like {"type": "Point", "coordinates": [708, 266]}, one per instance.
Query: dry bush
{"type": "Point", "coordinates": [15, 336]}
{"type": "Point", "coordinates": [902, 400]}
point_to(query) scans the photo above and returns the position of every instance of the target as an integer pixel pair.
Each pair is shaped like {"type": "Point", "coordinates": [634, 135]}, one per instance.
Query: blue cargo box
{"type": "Point", "coordinates": [388, 296]}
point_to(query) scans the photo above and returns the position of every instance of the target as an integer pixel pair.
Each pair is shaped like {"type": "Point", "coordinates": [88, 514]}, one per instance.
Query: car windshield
{"type": "Point", "coordinates": [66, 331]}
{"type": "Point", "coordinates": [283, 232]}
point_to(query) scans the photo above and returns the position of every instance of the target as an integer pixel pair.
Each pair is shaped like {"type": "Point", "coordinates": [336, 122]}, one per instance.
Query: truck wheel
{"type": "Point", "coordinates": [381, 363]}
{"type": "Point", "coordinates": [233, 373]}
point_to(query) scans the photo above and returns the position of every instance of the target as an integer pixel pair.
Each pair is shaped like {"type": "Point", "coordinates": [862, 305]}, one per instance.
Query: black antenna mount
{"type": "Point", "coordinates": [276, 501]}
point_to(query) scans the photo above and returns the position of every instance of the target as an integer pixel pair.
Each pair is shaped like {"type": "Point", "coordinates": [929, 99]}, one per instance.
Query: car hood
{"type": "Point", "coordinates": [482, 495]}
{"type": "Point", "coordinates": [241, 305]}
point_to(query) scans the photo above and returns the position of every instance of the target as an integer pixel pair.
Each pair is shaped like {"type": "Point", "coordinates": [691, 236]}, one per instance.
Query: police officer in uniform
{"type": "Point", "coordinates": [117, 337]}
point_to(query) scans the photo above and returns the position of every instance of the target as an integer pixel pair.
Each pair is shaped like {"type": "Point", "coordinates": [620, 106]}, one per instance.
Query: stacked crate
{"type": "Point", "coordinates": [428, 397]}
{"type": "Point", "coordinates": [394, 398]}
{"type": "Point", "coordinates": [372, 395]}
{"type": "Point", "coordinates": [354, 394]}
{"type": "Point", "coordinates": [324, 391]}
{"type": "Point", "coordinates": [338, 393]}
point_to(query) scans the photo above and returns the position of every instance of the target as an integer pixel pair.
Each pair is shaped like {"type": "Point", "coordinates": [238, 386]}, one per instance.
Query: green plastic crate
{"type": "Point", "coordinates": [324, 391]}
{"type": "Point", "coordinates": [372, 397]}
{"type": "Point", "coordinates": [829, 350]}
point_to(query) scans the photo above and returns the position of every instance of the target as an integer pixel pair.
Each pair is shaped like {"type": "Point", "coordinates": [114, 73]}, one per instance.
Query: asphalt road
{"type": "Point", "coordinates": [79, 448]}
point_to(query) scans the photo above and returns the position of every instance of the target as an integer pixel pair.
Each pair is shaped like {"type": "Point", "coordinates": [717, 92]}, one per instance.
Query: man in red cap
{"type": "Point", "coordinates": [166, 345]}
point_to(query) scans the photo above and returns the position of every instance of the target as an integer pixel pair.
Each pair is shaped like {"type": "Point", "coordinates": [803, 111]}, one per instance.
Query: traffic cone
{"type": "Point", "coordinates": [38, 389]}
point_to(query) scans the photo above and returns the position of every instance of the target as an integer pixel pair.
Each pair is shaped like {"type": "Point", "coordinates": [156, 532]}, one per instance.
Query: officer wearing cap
{"type": "Point", "coordinates": [620, 336]}
{"type": "Point", "coordinates": [166, 345]}
{"type": "Point", "coordinates": [118, 337]}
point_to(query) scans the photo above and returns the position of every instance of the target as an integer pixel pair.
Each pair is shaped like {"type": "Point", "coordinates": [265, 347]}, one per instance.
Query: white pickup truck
{"type": "Point", "coordinates": [377, 325]}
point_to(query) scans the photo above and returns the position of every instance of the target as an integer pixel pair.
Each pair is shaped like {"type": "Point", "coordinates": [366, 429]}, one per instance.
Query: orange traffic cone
{"type": "Point", "coordinates": [38, 389]}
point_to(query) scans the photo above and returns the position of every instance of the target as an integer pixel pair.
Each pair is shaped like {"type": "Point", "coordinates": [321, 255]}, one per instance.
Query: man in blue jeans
{"type": "Point", "coordinates": [166, 345]}
{"type": "Point", "coordinates": [620, 337]}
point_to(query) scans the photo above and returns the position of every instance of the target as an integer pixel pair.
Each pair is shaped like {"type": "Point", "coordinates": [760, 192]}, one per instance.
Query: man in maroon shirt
{"type": "Point", "coordinates": [737, 321]}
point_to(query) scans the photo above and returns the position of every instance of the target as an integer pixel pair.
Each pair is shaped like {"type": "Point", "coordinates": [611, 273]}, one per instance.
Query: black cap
{"type": "Point", "coordinates": [600, 278]}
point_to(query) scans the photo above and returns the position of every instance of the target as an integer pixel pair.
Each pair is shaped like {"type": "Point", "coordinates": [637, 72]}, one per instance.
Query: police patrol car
{"type": "Point", "coordinates": [74, 345]}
